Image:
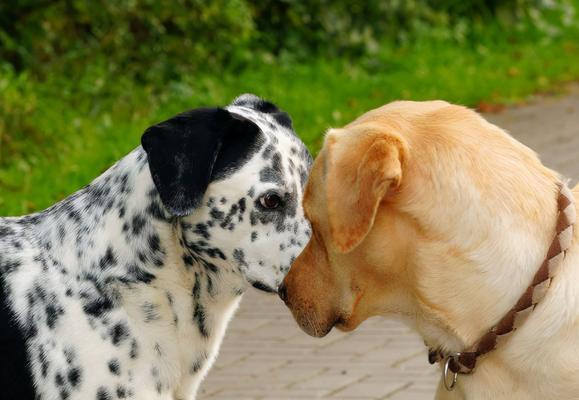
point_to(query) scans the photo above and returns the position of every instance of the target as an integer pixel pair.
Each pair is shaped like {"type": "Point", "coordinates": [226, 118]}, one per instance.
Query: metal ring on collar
{"type": "Point", "coordinates": [447, 372]}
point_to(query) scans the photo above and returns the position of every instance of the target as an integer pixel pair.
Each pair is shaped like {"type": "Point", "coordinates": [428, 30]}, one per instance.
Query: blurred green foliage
{"type": "Point", "coordinates": [81, 80]}
{"type": "Point", "coordinates": [149, 39]}
{"type": "Point", "coordinates": [357, 28]}
{"type": "Point", "coordinates": [152, 39]}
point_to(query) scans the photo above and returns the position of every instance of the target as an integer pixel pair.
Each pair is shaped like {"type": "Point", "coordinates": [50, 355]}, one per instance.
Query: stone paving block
{"type": "Point", "coordinates": [352, 347]}
{"type": "Point", "coordinates": [260, 393]}
{"type": "Point", "coordinates": [369, 390]}
{"type": "Point", "coordinates": [329, 382]}
{"type": "Point", "coordinates": [411, 395]}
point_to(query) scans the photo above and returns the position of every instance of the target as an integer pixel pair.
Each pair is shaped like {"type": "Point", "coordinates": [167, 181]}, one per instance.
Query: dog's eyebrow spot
{"type": "Point", "coordinates": [274, 172]}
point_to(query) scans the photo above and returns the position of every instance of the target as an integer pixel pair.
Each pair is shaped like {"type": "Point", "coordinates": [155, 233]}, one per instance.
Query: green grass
{"type": "Point", "coordinates": [62, 133]}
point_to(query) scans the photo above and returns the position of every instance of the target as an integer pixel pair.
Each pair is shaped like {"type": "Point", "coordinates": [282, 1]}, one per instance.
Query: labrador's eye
{"type": "Point", "coordinates": [270, 200]}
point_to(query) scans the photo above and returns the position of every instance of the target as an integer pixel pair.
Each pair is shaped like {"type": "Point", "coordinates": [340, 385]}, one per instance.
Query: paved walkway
{"type": "Point", "coordinates": [266, 356]}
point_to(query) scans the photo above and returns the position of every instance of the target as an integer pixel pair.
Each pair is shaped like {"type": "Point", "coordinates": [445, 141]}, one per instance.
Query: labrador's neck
{"type": "Point", "coordinates": [544, 344]}
{"type": "Point", "coordinates": [472, 279]}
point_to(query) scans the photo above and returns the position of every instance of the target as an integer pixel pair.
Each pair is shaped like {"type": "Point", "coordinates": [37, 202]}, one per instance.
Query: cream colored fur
{"type": "Point", "coordinates": [463, 218]}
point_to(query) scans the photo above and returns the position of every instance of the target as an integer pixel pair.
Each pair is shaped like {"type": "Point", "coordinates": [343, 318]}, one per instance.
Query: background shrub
{"type": "Point", "coordinates": [144, 38]}
{"type": "Point", "coordinates": [162, 40]}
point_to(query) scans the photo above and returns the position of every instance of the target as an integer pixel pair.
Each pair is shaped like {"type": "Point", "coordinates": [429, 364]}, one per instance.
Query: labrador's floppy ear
{"type": "Point", "coordinates": [188, 150]}
{"type": "Point", "coordinates": [362, 165]}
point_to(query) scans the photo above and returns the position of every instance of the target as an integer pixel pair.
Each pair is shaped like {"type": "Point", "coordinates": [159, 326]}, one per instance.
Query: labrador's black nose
{"type": "Point", "coordinates": [282, 292]}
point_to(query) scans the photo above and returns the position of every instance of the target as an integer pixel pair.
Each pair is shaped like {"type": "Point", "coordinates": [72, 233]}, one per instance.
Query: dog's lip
{"type": "Point", "coordinates": [316, 331]}
{"type": "Point", "coordinates": [263, 287]}
{"type": "Point", "coordinates": [346, 324]}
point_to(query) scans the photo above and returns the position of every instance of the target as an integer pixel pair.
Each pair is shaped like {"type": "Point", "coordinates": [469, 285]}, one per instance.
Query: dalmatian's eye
{"type": "Point", "coordinates": [270, 200]}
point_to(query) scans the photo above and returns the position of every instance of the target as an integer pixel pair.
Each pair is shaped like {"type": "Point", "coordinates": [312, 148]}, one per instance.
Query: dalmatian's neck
{"type": "Point", "coordinates": [118, 229]}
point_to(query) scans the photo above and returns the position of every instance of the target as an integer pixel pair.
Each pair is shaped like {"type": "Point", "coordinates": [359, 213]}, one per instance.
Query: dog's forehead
{"type": "Point", "coordinates": [266, 122]}
{"type": "Point", "coordinates": [281, 141]}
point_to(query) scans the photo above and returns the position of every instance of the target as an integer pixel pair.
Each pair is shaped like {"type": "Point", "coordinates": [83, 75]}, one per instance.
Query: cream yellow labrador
{"type": "Point", "coordinates": [425, 211]}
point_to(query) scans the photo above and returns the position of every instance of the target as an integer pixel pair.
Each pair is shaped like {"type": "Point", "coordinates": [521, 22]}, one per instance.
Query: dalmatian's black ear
{"type": "Point", "coordinates": [188, 151]}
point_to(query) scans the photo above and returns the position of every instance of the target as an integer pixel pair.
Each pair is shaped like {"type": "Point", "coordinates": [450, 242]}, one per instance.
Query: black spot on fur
{"type": "Point", "coordinates": [121, 392]}
{"type": "Point", "coordinates": [155, 210]}
{"type": "Point", "coordinates": [202, 230]}
{"type": "Point", "coordinates": [242, 205]}
{"type": "Point", "coordinates": [154, 242]}
{"type": "Point", "coordinates": [98, 306]}
{"type": "Point", "coordinates": [216, 214]}
{"type": "Point", "coordinates": [108, 260]}
{"type": "Point", "coordinates": [69, 355]}
{"type": "Point", "coordinates": [58, 379]}
{"type": "Point", "coordinates": [114, 366]}
{"type": "Point", "coordinates": [196, 291]}
{"type": "Point", "coordinates": [53, 312]}
{"type": "Point", "coordinates": [200, 318]}
{"type": "Point", "coordinates": [158, 350]}
{"type": "Point", "coordinates": [6, 231]}
{"type": "Point", "coordinates": [196, 366]}
{"type": "Point", "coordinates": [188, 260]}
{"type": "Point", "coordinates": [136, 274]}
{"type": "Point", "coordinates": [74, 377]}
{"type": "Point", "coordinates": [138, 223]}
{"type": "Point", "coordinates": [239, 256]}
{"type": "Point", "coordinates": [211, 267]}
{"type": "Point", "coordinates": [268, 174]}
{"type": "Point", "coordinates": [267, 152]}
{"type": "Point", "coordinates": [103, 394]}
{"type": "Point", "coordinates": [9, 266]}
{"type": "Point", "coordinates": [119, 333]}
{"type": "Point", "coordinates": [134, 352]}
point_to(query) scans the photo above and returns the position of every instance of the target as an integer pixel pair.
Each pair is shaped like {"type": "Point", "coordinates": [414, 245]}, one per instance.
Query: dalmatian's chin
{"type": "Point", "coordinates": [263, 287]}
{"type": "Point", "coordinates": [263, 282]}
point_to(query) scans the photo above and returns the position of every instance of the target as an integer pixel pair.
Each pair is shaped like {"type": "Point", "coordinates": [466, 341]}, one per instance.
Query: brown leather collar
{"type": "Point", "coordinates": [465, 362]}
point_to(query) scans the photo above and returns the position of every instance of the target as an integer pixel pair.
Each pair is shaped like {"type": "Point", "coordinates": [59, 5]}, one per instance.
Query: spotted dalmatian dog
{"type": "Point", "coordinates": [124, 289]}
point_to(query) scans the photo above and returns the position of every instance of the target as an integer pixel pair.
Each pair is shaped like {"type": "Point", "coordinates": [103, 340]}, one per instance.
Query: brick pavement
{"type": "Point", "coordinates": [266, 356]}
